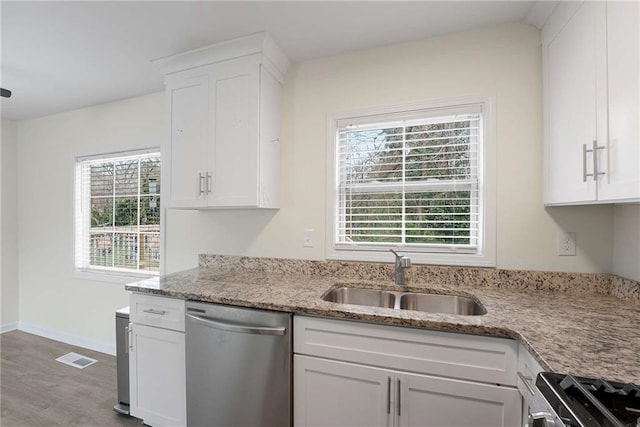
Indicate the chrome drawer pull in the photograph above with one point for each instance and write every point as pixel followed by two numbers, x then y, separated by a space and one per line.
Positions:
pixel 399 412
pixel 154 311
pixel 527 382
pixel 388 395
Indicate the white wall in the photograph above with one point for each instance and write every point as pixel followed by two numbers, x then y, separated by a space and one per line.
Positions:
pixel 50 297
pixel 501 61
pixel 9 225
pixel 626 238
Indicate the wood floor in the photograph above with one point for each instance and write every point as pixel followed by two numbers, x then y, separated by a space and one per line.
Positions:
pixel 38 391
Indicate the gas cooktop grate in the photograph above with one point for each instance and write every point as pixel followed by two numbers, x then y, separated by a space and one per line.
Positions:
pixel 593 402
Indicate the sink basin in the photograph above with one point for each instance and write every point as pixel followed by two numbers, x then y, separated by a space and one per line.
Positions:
pixel 414 301
pixel 360 296
pixel 435 303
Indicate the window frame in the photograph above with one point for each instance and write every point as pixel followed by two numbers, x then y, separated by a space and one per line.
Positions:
pixel 105 274
pixel 484 255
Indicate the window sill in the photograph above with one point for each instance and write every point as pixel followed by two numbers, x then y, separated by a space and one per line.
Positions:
pixel 429 258
pixel 110 277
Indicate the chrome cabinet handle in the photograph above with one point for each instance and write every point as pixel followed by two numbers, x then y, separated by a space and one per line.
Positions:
pixel 154 311
pixel 129 330
pixel 231 327
pixel 594 150
pixel 209 184
pixel 200 182
pixel 595 160
pixel 399 413
pixel 388 395
pixel 527 382
pixel 584 163
pixel 127 342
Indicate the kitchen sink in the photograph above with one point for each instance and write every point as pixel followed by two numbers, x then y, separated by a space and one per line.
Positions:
pixel 436 303
pixel 414 301
pixel 360 296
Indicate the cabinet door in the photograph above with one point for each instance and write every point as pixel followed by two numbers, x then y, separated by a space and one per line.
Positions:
pixel 233 149
pixel 433 401
pixel 575 62
pixel 621 161
pixel 184 155
pixel 157 376
pixel 330 393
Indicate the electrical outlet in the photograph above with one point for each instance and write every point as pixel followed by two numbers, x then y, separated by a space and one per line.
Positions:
pixel 566 244
pixel 308 238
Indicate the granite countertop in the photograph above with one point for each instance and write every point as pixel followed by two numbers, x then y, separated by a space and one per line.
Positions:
pixel 582 333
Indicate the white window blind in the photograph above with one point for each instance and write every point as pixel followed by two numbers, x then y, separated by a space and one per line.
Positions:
pixel 117 221
pixel 410 181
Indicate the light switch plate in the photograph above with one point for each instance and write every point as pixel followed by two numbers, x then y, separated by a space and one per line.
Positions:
pixel 308 238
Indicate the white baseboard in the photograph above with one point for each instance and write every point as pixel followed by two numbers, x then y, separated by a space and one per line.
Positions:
pixel 12 326
pixel 102 347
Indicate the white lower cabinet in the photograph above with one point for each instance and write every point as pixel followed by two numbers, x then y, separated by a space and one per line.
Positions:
pixel 333 393
pixel 432 401
pixel 330 393
pixel 157 375
pixel 369 386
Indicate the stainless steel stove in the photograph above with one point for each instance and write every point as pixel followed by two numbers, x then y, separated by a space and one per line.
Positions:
pixel 569 401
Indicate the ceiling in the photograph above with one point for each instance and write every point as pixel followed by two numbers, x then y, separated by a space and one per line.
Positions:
pixel 60 56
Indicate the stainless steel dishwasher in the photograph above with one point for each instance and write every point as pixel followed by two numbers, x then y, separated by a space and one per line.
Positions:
pixel 238 366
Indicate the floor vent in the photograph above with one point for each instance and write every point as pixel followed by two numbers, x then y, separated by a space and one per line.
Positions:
pixel 76 360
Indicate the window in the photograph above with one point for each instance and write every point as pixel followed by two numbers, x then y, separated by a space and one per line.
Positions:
pixel 418 179
pixel 117 213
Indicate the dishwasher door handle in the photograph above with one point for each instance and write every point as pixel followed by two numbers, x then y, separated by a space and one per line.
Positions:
pixel 231 327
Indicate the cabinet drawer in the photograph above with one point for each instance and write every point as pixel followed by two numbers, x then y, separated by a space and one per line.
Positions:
pixel 447 354
pixel 157 311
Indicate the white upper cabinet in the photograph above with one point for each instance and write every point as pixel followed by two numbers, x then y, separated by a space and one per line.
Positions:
pixel 622 167
pixel 590 70
pixel 223 103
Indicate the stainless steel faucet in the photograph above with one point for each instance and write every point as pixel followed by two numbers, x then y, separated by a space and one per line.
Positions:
pixel 402 263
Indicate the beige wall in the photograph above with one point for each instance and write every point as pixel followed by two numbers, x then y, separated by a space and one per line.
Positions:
pixel 51 298
pixel 500 61
pixel 626 238
pixel 9 225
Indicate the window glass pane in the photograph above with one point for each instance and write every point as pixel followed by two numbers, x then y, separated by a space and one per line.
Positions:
pixel 125 250
pixel 438 151
pixel 150 210
pixel 150 251
pixel 101 212
pixel 372 217
pixel 101 178
pixel 126 177
pixel 439 218
pixel 101 249
pixel 126 212
pixel 150 175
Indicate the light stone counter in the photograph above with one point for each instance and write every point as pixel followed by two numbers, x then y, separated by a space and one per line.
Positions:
pixel 572 323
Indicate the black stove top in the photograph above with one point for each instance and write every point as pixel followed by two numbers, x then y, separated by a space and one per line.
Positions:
pixel 587 402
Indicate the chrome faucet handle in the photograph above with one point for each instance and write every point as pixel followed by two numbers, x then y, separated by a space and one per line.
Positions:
pixel 402 262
